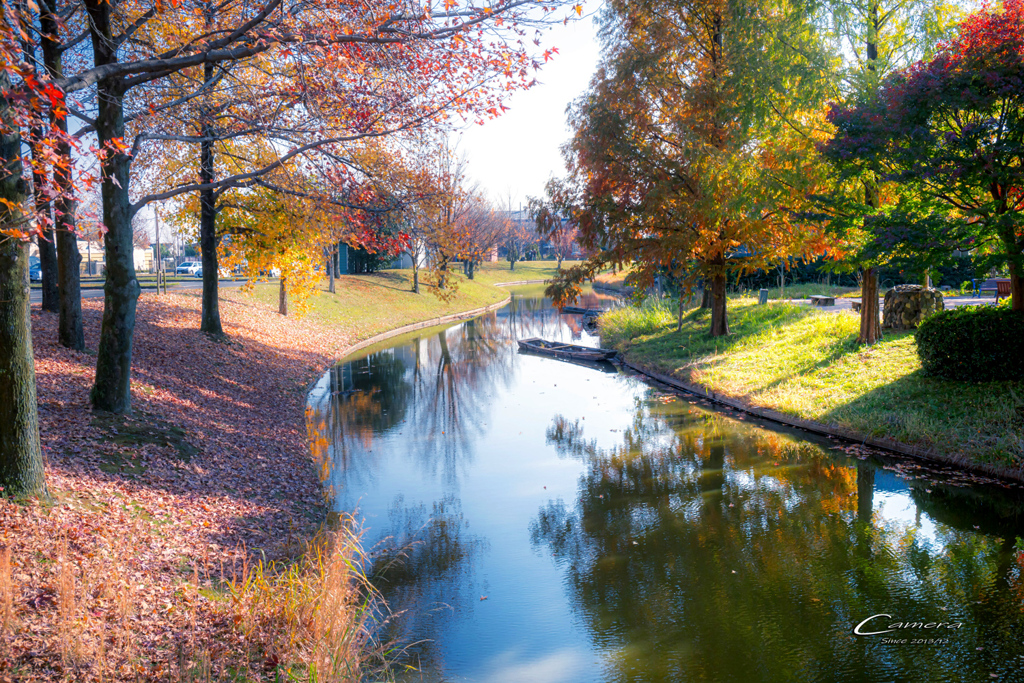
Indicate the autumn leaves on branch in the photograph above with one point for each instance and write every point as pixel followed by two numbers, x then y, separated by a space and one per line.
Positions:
pixel 722 137
pixel 226 104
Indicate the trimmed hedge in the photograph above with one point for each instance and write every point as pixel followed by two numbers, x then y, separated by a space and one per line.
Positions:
pixel 973 344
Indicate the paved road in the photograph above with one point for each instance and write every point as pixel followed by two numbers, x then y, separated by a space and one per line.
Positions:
pixel 949 301
pixel 36 295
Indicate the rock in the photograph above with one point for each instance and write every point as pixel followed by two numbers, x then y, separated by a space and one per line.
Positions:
pixel 907 305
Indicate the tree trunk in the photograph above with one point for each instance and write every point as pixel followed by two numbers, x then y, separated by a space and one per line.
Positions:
pixel 112 388
pixel 21 457
pixel 679 321
pixel 1016 288
pixel 330 273
pixel 69 280
pixel 415 276
pixel 336 262
pixel 719 317
pixel 282 298
pixel 870 325
pixel 45 242
pixel 705 297
pixel 470 269
pixel 69 274
pixel 210 321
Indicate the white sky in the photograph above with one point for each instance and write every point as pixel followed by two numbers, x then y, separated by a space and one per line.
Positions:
pixel 517 152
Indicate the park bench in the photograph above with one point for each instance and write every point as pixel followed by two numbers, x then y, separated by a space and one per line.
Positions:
pixel 999 286
pixel 855 305
pixel 820 300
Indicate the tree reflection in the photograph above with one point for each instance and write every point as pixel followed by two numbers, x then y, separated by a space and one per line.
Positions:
pixel 424 571
pixel 696 552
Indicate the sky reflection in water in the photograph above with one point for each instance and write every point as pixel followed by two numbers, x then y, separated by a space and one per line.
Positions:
pixel 623 534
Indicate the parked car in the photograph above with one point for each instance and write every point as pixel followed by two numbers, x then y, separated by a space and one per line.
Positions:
pixel 35 273
pixel 188 268
pixel 222 273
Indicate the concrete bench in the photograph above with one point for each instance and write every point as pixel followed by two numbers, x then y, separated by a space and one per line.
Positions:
pixel 820 300
pixel 855 305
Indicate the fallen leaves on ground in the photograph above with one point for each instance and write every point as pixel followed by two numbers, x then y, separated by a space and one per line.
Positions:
pixel 123 575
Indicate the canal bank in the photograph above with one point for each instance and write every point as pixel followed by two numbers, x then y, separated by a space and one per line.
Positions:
pixel 804 368
pixel 147 563
pixel 539 520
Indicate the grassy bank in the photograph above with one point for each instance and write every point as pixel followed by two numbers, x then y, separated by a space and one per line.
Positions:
pixel 806 363
pixel 184 542
pixel 492 273
pixel 367 305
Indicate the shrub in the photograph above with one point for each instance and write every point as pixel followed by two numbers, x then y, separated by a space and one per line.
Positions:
pixel 973 344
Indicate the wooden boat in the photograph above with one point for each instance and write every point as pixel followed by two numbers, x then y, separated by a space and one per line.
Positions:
pixel 565 351
pixel 580 310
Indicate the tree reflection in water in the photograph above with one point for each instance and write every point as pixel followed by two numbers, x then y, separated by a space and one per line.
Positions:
pixel 687 546
pixel 696 553
pixel 423 569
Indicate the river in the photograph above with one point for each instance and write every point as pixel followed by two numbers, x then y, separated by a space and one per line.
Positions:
pixel 536 521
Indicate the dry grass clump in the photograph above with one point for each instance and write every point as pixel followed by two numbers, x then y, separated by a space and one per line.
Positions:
pixel 312 620
pixel 6 595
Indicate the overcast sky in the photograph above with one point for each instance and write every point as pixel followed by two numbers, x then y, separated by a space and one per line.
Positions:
pixel 517 152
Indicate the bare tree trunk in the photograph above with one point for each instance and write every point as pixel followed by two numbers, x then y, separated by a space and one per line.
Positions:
pixel 282 298
pixel 112 388
pixel 21 457
pixel 210 320
pixel 470 269
pixel 1016 288
pixel 330 272
pixel 682 301
pixel 719 314
pixel 415 276
pixel 45 242
pixel 69 274
pixel 705 296
pixel 870 325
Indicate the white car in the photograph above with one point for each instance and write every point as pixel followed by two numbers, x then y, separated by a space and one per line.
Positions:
pixel 188 268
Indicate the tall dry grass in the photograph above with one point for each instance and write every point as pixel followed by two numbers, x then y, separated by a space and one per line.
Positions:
pixel 6 595
pixel 314 619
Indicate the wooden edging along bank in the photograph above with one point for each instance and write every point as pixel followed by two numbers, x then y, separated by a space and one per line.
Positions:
pixel 826 429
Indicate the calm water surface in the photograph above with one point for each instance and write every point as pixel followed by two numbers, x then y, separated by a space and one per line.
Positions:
pixel 621 533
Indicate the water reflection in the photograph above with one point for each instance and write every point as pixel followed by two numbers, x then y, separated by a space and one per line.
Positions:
pixel 698 553
pixel 536 520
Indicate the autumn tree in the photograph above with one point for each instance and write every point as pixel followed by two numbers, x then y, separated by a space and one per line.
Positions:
pixel 480 231
pixel 550 225
pixel 874 38
pixel 137 45
pixel 693 148
pixel 21 461
pixel 950 130
pixel 516 234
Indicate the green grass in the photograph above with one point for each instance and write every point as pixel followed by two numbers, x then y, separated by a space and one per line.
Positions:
pixel 807 363
pixel 804 290
pixel 366 305
pixel 493 273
